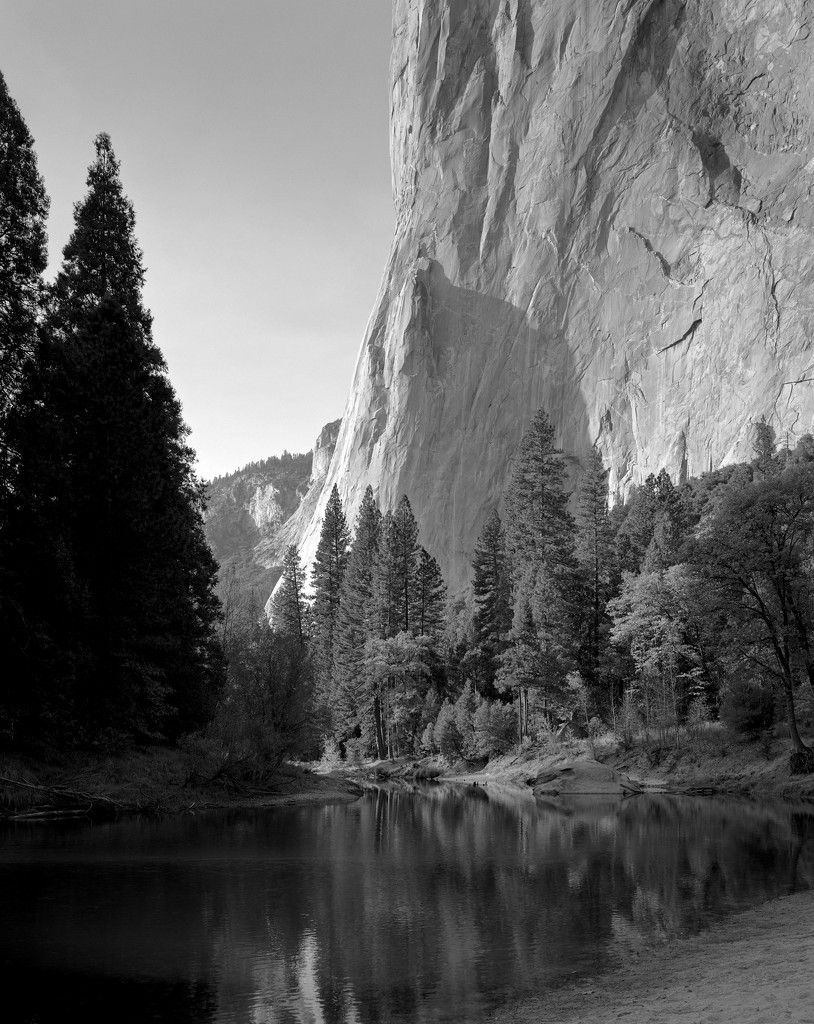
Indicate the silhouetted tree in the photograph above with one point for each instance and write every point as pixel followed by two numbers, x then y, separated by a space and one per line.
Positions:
pixel 23 253
pixel 115 582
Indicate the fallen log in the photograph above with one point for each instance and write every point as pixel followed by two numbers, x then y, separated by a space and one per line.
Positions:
pixel 51 815
pixel 97 806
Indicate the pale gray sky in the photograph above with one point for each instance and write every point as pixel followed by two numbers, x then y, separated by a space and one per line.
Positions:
pixel 253 140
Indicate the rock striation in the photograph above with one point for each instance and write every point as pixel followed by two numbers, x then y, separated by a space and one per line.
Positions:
pixel 604 208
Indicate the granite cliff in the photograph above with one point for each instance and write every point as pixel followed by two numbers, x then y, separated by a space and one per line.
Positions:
pixel 255 512
pixel 604 207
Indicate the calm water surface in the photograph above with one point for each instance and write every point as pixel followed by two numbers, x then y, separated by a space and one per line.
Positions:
pixel 437 904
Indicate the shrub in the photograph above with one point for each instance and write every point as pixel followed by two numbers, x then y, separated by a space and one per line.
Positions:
pixel 495 728
pixel 801 762
pixel 747 707
pixel 445 732
pixel 428 739
pixel 355 750
pixel 454 729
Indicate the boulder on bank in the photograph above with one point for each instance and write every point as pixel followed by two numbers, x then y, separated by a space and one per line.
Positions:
pixel 583 778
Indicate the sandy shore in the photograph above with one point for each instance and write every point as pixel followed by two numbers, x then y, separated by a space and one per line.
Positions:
pixel 754 968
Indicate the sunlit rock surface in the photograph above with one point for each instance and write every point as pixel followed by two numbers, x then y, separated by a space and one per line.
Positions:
pixel 255 512
pixel 603 208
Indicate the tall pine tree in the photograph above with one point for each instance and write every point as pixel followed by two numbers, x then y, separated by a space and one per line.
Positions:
pixel 23 253
pixel 430 599
pixel 355 623
pixel 289 610
pixel 328 573
pixel 118 581
pixel 23 256
pixel 540 535
pixel 102 256
pixel 492 591
pixel 596 559
pixel 397 571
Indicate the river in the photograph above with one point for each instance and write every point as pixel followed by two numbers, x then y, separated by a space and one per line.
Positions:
pixel 433 904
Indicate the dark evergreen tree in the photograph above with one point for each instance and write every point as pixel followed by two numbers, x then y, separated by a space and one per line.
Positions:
pixel 289 611
pixel 765 448
pixel 492 590
pixel 654 526
pixel 540 536
pixel 102 256
pixel 327 575
pixel 114 580
pixel 397 572
pixel 430 599
pixel 354 625
pixel 23 255
pixel 539 527
pixel 596 558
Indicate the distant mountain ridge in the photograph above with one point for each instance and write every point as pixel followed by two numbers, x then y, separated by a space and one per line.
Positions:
pixel 255 512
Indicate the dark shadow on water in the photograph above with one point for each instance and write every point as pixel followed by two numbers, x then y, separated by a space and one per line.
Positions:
pixel 414 904
pixel 44 997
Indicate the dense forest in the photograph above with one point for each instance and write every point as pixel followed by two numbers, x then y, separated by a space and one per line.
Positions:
pixel 677 607
pixel 681 605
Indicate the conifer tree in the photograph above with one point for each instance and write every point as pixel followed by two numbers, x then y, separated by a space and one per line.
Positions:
pixel 385 595
pixel 596 561
pixel 492 590
pixel 289 613
pixel 354 623
pixel 540 535
pixel 102 256
pixel 653 527
pixel 431 597
pixel 397 571
pixel 765 448
pixel 117 590
pixel 327 575
pixel 23 255
pixel 539 527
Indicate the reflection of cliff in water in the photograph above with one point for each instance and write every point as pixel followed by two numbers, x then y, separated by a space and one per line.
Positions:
pixel 406 905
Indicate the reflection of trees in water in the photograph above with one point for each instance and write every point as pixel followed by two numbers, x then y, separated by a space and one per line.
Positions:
pixel 712 856
pixel 403 905
pixel 432 905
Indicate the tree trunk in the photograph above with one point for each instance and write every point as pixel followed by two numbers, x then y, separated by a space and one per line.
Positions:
pixel 381 746
pixel 791 717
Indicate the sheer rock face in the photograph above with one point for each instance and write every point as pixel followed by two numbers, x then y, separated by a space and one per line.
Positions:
pixel 255 513
pixel 604 209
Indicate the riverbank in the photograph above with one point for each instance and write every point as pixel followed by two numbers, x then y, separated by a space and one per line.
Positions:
pixel 712 761
pixel 154 781
pixel 754 968
pixel 157 780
